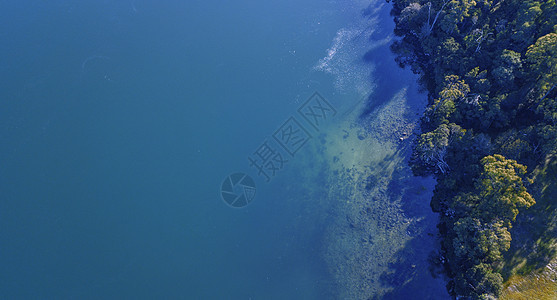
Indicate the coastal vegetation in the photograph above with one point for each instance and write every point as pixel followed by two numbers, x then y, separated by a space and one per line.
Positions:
pixel 489 133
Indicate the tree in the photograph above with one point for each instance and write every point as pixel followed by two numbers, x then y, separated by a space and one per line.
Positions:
pixel 456 11
pixel 501 190
pixel 548 19
pixel 454 90
pixel 465 233
pixel 478 242
pixel 411 19
pixel 547 137
pixel 492 241
pixel 431 148
pixel 448 52
pixel 433 20
pixel 548 108
pixel 542 60
pixel 525 26
pixel 475 39
pixel 490 69
pixel 479 282
pixel 478 81
pixel 491 115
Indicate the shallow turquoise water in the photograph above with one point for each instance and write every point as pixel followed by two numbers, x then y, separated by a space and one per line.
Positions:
pixel 119 121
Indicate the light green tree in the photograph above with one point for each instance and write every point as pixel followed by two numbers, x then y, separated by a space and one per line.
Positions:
pixel 431 148
pixel 454 90
pixel 501 190
pixel 542 59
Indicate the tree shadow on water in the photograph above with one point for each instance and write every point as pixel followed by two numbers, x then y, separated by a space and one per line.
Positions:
pixel 387 75
pixel 415 272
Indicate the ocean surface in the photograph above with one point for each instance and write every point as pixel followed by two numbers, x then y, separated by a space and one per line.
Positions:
pixel 121 122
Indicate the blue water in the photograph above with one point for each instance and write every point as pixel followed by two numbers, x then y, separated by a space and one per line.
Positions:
pixel 119 121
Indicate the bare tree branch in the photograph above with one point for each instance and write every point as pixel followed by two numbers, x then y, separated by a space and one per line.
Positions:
pixel 445 2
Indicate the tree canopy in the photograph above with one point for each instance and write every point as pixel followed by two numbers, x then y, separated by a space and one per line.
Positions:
pixel 490 68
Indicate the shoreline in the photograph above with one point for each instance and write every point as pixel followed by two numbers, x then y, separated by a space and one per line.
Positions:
pixel 488 134
pixel 382 237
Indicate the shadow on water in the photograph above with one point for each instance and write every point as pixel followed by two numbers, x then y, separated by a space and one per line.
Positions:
pixel 415 272
pixel 382 240
pixel 388 76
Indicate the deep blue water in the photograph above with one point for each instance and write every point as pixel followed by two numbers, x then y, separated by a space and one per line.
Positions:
pixel 119 120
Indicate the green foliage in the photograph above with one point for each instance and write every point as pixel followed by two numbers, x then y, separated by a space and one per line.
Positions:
pixel 478 242
pixel 456 12
pixel 508 67
pixel 478 81
pixel 491 71
pixel 542 60
pixel 479 282
pixel 547 136
pixel 454 91
pixel 529 11
pixel 548 108
pixel 431 148
pixel 412 19
pixel 501 189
